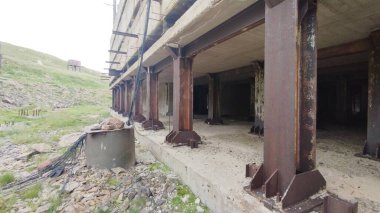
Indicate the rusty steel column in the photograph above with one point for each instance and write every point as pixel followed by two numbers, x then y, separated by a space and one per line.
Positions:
pixel 117 99
pixel 113 99
pixel 129 95
pixel 122 98
pixel 138 111
pixel 214 95
pixel 372 146
pixel 258 126
pixel 289 104
pixel 182 133
pixel 152 88
pixel 126 108
pixel 341 100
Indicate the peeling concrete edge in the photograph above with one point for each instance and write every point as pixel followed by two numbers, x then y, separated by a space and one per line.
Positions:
pixel 217 199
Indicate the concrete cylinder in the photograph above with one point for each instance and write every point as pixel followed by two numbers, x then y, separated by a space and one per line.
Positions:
pixel 110 149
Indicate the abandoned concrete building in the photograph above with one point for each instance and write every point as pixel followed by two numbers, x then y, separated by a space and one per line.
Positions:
pixel 279 98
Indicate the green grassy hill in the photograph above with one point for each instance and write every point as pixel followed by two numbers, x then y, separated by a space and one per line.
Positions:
pixel 32 80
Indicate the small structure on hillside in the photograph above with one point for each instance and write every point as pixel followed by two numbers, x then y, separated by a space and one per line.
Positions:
pixel 74 65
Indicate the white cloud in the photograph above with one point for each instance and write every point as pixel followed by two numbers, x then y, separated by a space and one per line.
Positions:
pixel 68 29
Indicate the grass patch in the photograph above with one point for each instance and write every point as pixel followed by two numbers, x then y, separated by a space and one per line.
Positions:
pixel 6 178
pixel 137 204
pixel 32 192
pixel 189 206
pixel 113 182
pixel 159 166
pixel 6 203
pixel 55 202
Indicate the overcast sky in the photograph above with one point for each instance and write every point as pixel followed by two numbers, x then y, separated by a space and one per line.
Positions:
pixel 68 29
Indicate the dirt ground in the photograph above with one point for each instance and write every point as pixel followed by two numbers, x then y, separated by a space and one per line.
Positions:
pixel 231 147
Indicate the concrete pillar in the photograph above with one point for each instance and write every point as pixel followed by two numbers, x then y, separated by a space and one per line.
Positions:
pixel 341 100
pixel 258 126
pixel 152 123
pixel 214 96
pixel 290 104
pixel 138 110
pixel 372 146
pixel 182 132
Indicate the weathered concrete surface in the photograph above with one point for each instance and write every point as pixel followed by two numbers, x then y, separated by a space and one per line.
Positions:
pixel 221 188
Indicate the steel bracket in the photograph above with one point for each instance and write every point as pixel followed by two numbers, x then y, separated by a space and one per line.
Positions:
pixel 298 190
pixel 332 204
pixel 178 138
pixel 214 121
pixel 153 124
pixel 139 118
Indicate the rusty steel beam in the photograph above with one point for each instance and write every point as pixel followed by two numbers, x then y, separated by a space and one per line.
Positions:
pixel 117 52
pixel 290 97
pixel 272 3
pixel 112 62
pixel 160 66
pixel 358 46
pixel 214 98
pixel 125 34
pixel 152 123
pixel 372 146
pixel 182 133
pixel 243 21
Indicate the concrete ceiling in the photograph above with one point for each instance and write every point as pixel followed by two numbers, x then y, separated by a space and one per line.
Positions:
pixel 339 22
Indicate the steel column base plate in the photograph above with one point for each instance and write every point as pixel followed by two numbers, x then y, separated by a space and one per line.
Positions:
pixel 153 124
pixel 214 121
pixel 178 138
pixel 302 186
pixel 139 118
pixel 367 153
pixel 257 130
